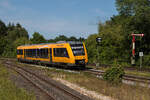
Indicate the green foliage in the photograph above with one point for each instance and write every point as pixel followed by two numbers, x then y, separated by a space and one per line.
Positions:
pixel 114 74
pixel 3 29
pixel 8 44
pixel 91 48
pixel 132 7
pixel 65 38
pixel 145 60
pixel 37 38
pixel 3 43
pixel 138 11
pixel 61 38
pixel 9 50
pixel 16 32
pixel 133 17
pixel 22 41
pixel 111 47
pixel 72 38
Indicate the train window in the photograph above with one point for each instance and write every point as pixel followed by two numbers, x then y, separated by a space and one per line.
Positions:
pixel 77 49
pixel 38 53
pixel 42 53
pixel 20 52
pixel 27 53
pixel 60 52
pixel 30 52
pixel 34 52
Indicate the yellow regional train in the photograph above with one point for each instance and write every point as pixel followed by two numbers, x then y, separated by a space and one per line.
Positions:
pixel 71 53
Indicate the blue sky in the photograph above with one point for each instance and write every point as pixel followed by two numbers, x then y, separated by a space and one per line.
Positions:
pixel 52 18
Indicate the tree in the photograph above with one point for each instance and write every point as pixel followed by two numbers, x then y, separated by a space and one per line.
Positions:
pixel 113 42
pixel 72 38
pixel 3 29
pixel 3 43
pixel 91 47
pixel 51 41
pixel 10 26
pixel 22 41
pixel 81 39
pixel 15 32
pixel 61 38
pixel 132 7
pixel 138 13
pixel 37 38
pixel 9 34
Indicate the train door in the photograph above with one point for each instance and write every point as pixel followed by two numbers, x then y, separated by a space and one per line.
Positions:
pixel 50 50
pixel 61 55
pixel 23 54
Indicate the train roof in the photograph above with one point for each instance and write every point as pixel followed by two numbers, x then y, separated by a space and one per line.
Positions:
pixel 59 42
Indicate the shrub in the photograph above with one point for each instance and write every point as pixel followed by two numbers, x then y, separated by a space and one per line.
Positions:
pixel 114 74
pixel 146 60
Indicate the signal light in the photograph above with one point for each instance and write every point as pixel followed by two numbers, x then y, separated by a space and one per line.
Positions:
pixel 98 39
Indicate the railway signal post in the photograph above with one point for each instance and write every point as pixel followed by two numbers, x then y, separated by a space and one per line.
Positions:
pixel 98 40
pixel 133 47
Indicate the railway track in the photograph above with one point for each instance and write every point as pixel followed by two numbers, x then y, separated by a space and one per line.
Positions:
pixel 133 68
pixel 126 77
pixel 129 78
pixel 29 79
pixel 46 86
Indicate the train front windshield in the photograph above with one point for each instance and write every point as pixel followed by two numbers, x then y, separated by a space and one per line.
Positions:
pixel 77 49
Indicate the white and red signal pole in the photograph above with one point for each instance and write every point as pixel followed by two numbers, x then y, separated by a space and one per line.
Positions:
pixel 133 46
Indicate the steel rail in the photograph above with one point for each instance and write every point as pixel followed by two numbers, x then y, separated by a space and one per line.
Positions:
pixel 52 84
pixel 125 77
pixel 28 79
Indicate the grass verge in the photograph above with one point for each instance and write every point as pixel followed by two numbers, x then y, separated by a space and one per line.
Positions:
pixel 8 90
pixel 138 73
pixel 89 81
